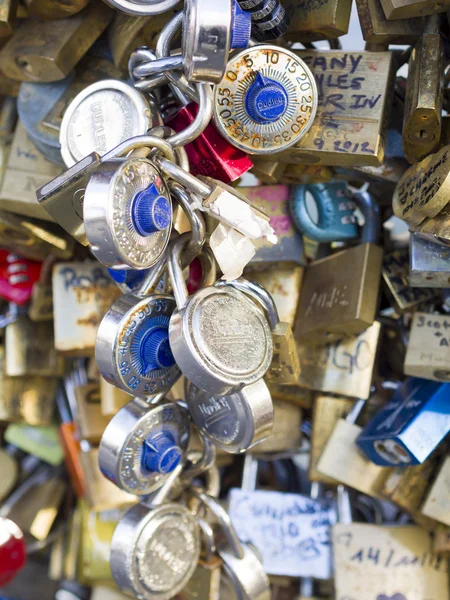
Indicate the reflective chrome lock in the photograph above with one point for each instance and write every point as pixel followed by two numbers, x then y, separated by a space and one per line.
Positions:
pixel 266 101
pixel 132 347
pixel 143 444
pixel 234 422
pixel 220 339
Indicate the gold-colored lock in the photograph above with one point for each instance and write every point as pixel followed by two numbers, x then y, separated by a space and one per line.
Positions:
pixel 303 174
pixel 320 20
pixel 285 365
pixel 54 9
pixel 428 351
pixel 395 277
pixel 44 51
pixel 82 293
pixel 112 398
pixel 293 394
pixel 344 367
pixel 378 31
pixel 339 295
pixel 355 95
pixel 435 226
pixel 91 421
pixel 424 94
pixel 423 191
pixel 268 172
pixel 388 562
pixel 286 431
pixel 8 13
pixel 30 399
pixel 437 502
pixel 26 170
pixel 327 410
pixel 408 9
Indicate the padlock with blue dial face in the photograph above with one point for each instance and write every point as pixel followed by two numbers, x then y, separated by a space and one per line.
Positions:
pixel 266 101
pixel 132 347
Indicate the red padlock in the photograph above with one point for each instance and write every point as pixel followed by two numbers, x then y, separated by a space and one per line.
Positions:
pixel 17 277
pixel 12 551
pixel 210 154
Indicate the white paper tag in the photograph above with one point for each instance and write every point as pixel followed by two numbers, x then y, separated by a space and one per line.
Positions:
pixel 232 250
pixel 292 532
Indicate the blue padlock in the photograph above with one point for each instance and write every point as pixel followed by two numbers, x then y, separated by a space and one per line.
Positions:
pixel 410 426
pixel 336 219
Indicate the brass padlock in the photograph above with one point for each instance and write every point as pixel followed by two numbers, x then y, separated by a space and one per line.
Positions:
pixel 54 9
pixel 91 421
pixel 82 294
pixel 403 297
pixel 378 31
pixel 268 172
pixel 437 502
pixel 321 20
pixel 327 410
pixel 8 14
pixel 112 398
pixel 424 94
pixel 286 431
pixel 408 9
pixel 43 51
pixel 340 292
pixel 298 174
pixel 428 351
pixel 355 95
pixel 29 399
pixel 293 394
pixel 343 367
pixel 30 350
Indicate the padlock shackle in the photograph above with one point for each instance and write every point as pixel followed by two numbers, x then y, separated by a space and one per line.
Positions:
pixel 158 66
pixel 201 121
pixel 224 520
pixel 367 204
pixel 190 182
pixel 196 222
pixel 141 141
pixel 164 132
pixel 174 253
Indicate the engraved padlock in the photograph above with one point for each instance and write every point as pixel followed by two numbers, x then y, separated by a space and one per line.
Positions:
pixel 143 444
pixel 335 212
pixel 220 339
pixel 234 422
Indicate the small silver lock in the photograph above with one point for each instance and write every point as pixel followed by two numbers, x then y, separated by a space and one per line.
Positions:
pixel 155 550
pixel 143 444
pixel 234 422
pixel 132 347
pixel 220 339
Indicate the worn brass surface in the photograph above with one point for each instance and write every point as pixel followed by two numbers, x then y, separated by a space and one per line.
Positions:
pixel 376 29
pixel 317 19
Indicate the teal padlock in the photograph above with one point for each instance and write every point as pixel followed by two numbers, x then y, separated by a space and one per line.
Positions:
pixel 336 219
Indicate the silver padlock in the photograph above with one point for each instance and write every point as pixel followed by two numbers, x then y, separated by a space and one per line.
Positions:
pixel 429 261
pixel 143 444
pixel 155 549
pixel 220 339
pixel 240 560
pixel 234 422
pixel 102 116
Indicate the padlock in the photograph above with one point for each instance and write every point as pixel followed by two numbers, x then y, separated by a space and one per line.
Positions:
pixel 436 505
pixel 335 212
pixel 434 228
pixel 143 444
pixel 240 561
pixel 82 293
pixel 225 318
pixel 269 19
pixel 286 431
pixel 8 18
pixel 395 271
pixel 103 115
pixel 26 170
pixel 41 106
pixel 17 277
pixel 386 562
pixel 112 398
pixel 268 172
pixel 409 427
pixel 424 94
pixel 313 21
pixel 401 9
pixel 91 421
pixel 30 399
pixel 48 50
pixel 327 410
pixel 354 99
pixel 428 257
pixel 379 32
pixel 234 422
pixel 260 110
pixel 298 174
pixel 155 549
pixel 41 301
pixel 52 9
pixel 428 349
pixel 343 367
pixel 300 397
pixel 30 349
pixel 340 293
pixel 12 550
pixel 342 460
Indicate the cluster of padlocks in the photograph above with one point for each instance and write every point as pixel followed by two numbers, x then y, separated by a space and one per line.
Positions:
pixel 224 273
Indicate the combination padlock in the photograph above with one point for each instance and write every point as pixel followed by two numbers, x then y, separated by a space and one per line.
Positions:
pixel 143 444
pixel 335 210
pixel 155 548
pixel 17 277
pixel 235 422
pixel 220 339
pixel 270 20
pixel 266 101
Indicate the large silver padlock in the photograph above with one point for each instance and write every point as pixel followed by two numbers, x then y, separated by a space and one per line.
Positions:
pixel 155 548
pixel 234 422
pixel 143 444
pixel 220 339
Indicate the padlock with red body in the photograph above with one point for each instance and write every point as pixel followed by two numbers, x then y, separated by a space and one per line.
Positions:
pixel 12 550
pixel 17 277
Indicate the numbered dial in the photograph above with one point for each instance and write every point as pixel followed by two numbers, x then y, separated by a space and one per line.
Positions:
pixel 132 347
pixel 142 445
pixel 266 101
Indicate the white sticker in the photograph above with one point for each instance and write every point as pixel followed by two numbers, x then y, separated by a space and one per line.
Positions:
pixel 291 532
